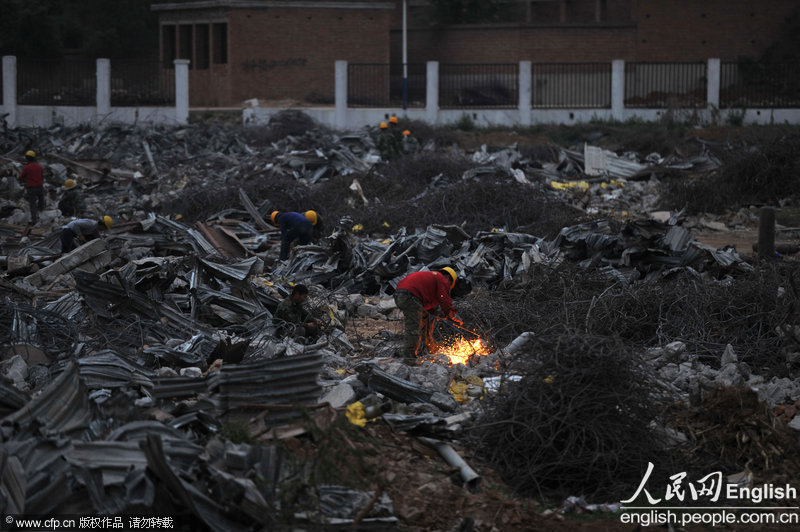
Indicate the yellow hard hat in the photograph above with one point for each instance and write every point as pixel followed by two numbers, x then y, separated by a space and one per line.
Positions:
pixel 392 119
pixel 453 275
pixel 312 216
pixel 383 125
pixel 70 183
pixel 406 133
pixel 274 217
pixel 30 153
pixel 108 221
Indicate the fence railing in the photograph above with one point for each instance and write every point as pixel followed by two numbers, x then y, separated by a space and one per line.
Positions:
pixel 759 85
pixel 381 85
pixel 571 85
pixel 142 82
pixel 485 86
pixel 57 82
pixel 665 85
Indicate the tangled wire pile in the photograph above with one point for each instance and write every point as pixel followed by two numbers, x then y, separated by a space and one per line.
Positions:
pixel 744 312
pixel 732 431
pixel 755 175
pixel 577 421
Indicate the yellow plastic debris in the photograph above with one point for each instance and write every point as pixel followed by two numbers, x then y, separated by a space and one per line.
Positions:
pixel 458 389
pixel 386 224
pixel 358 227
pixel 386 241
pixel 355 414
pixel 178 216
pixel 566 185
pixel 549 379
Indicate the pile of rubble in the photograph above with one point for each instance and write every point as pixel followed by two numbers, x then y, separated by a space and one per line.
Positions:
pixel 127 361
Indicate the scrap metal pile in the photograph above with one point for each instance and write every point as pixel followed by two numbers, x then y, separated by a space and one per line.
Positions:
pixel 127 361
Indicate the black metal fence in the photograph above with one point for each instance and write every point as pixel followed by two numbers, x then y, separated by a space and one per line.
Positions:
pixel 665 85
pixel 571 85
pixel 486 86
pixel 57 82
pixel 747 84
pixel 381 85
pixel 142 82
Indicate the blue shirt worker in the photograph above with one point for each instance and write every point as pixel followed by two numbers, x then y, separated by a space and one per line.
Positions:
pixel 84 230
pixel 294 226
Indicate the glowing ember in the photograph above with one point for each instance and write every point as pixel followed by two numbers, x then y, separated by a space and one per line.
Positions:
pixel 460 350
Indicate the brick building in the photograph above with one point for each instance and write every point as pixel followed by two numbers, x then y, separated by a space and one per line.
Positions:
pixel 597 30
pixel 285 49
pixel 273 49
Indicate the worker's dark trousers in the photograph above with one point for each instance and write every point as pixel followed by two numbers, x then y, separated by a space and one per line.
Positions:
pixel 415 322
pixel 304 235
pixel 67 240
pixel 35 197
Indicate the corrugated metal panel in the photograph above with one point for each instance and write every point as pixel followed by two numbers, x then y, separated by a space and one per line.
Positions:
pixel 107 369
pixel 289 380
pixel 63 407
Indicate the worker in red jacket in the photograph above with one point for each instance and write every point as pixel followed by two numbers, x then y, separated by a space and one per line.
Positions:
pixel 33 181
pixel 423 297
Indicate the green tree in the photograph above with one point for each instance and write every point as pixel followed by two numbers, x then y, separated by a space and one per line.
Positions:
pixel 95 28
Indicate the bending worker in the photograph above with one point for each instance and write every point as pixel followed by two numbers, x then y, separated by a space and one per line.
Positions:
pixel 423 297
pixel 84 229
pixel 33 180
pixel 294 226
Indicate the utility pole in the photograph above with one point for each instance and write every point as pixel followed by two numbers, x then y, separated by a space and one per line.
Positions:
pixel 405 55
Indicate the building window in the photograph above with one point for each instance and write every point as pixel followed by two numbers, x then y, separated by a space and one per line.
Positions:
pixel 185 42
pixel 168 44
pixel 201 44
pixel 220 43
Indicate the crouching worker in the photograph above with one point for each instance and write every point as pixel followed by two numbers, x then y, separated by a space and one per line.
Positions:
pixel 84 230
pixel 71 203
pixel 293 319
pixel 423 297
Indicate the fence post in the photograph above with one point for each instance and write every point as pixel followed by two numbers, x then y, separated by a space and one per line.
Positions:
pixel 713 76
pixel 181 90
pixel 618 89
pixel 525 93
pixel 340 96
pixel 432 92
pixel 103 90
pixel 10 89
pixel 766 233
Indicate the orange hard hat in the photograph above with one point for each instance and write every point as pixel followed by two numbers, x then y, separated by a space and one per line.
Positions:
pixel 274 217
pixel 312 217
pixel 406 133
pixel 392 119
pixel 383 125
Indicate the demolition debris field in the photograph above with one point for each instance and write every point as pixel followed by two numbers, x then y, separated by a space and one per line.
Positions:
pixel 608 270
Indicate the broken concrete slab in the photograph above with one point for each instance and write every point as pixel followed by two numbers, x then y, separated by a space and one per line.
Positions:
pixel 91 257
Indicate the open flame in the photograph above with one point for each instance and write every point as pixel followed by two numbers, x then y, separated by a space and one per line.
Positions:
pixel 459 350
